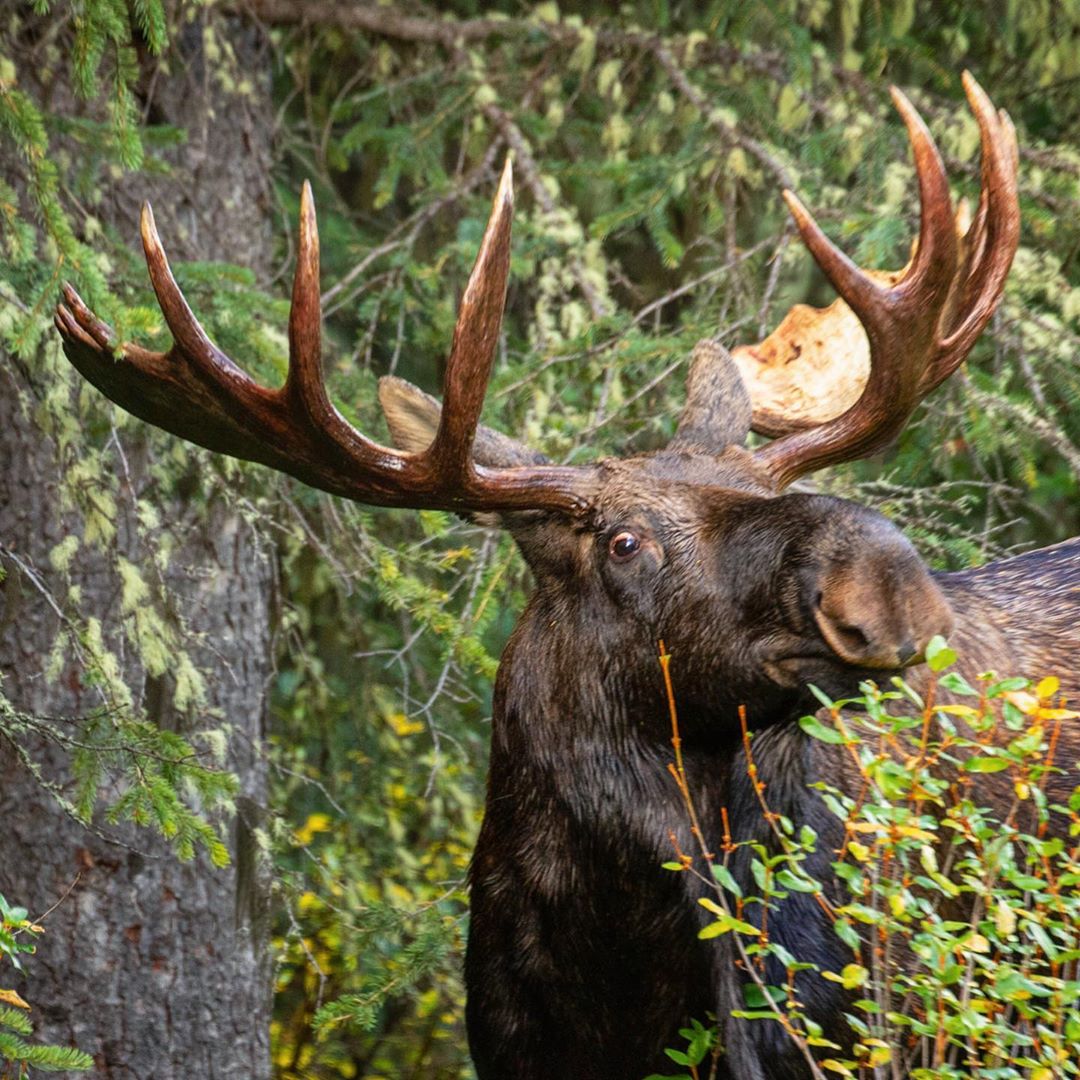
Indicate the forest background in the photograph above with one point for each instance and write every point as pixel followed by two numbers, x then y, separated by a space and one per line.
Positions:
pixel 243 725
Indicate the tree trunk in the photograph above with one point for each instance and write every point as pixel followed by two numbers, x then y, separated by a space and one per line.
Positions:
pixel 157 968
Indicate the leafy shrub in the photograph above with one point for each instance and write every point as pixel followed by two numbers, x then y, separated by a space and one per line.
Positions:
pixel 961 911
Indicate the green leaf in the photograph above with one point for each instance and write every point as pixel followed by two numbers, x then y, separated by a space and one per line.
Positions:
pixel 1007 686
pixel 938 654
pixel 987 764
pixel 847 933
pixel 724 876
pixel 955 683
pixel 822 732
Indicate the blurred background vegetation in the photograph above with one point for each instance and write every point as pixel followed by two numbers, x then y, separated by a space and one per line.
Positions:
pixel 651 142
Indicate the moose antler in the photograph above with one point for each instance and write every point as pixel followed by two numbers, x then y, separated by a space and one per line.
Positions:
pixel 922 326
pixel 195 391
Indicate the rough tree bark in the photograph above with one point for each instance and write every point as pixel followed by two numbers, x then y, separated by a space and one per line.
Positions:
pixel 158 969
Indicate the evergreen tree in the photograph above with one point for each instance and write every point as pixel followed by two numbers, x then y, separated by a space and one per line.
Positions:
pixel 135 634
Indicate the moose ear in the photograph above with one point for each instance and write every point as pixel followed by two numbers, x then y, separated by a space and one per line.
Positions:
pixel 717 412
pixel 413 419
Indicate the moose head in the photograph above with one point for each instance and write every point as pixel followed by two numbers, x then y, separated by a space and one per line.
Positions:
pixel 756 590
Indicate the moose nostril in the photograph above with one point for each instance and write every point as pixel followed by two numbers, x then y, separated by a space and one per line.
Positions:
pixel 850 642
pixel 852 636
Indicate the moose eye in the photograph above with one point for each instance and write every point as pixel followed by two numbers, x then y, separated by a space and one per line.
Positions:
pixel 623 546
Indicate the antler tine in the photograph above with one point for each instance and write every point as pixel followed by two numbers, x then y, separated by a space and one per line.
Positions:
pixel 197 392
pixel 76 321
pixel 304 402
pixel 304 386
pixel 190 339
pixel 975 237
pixel 304 397
pixel 859 290
pixel 934 266
pixel 996 235
pixel 476 337
pixel 935 257
pixel 151 384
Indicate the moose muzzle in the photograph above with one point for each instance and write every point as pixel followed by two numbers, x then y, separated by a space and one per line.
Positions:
pixel 880 608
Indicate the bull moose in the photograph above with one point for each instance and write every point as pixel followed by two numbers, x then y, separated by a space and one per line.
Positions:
pixel 583 958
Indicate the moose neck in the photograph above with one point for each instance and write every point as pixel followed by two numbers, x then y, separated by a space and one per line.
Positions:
pixel 582 717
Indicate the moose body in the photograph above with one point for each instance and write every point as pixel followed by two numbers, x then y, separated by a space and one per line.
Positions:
pixel 581 946
pixel 583 957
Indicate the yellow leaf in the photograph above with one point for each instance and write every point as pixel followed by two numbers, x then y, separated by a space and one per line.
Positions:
pixel 403 726
pixel 791 111
pixel 836 1066
pixel 1057 714
pixel 399 895
pixel 928 858
pixel 915 833
pixel 607 76
pixel 316 823
pixel 9 997
pixel 737 164
pixel 1047 687
pixel 956 710
pixel 548 12
pixel 1004 920
pixel 854 975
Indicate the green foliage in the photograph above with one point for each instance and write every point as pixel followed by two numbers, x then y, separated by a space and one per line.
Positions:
pixel 702 1045
pixel 62 161
pixel 18 1058
pixel 166 781
pixel 103 69
pixel 14 925
pixel 382 781
pixel 961 916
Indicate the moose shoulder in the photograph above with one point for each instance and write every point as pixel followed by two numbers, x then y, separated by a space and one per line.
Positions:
pixel 583 958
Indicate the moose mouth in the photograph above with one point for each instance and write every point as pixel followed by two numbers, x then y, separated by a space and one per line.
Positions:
pixel 829 671
pixel 792 672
